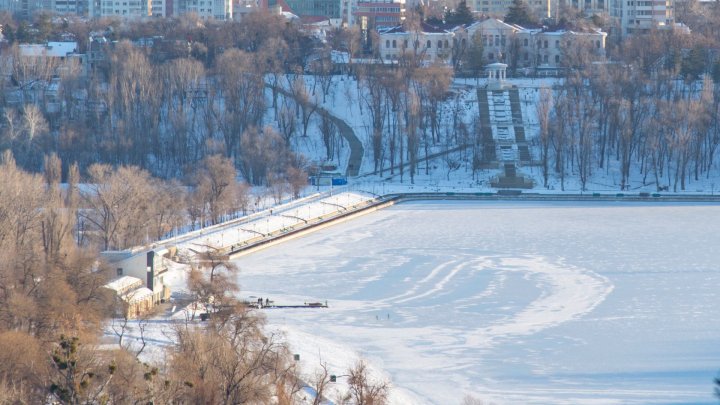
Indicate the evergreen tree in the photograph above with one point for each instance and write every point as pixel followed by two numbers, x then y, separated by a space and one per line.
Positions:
pixel 716 73
pixel 474 56
pixel 461 15
pixel 519 13
pixel 693 64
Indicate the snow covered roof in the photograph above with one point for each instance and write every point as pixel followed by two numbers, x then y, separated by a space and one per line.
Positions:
pixel 493 22
pixel 52 49
pixel 424 28
pixel 125 283
pixel 139 294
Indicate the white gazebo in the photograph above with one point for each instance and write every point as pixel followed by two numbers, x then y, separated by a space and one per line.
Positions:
pixel 496 75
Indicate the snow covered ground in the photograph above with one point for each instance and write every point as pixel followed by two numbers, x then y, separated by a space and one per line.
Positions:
pixel 557 303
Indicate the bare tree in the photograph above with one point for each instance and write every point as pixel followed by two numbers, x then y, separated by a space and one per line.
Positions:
pixel 365 391
pixel 117 205
pixel 215 188
pixel 544 108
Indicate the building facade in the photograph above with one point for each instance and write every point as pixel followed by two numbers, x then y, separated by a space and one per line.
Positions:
pixel 499 8
pixel 217 9
pixel 428 45
pixel 122 8
pixel 373 14
pixel 330 9
pixel 640 16
pixel 132 299
pixel 532 50
pixel 150 266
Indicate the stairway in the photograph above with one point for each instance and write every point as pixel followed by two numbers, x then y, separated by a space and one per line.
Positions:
pixel 486 135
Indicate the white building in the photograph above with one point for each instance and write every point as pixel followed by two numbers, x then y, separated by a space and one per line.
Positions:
pixel 535 50
pixel 217 9
pixel 133 300
pixel 429 44
pixel 52 49
pixel 640 16
pixel 120 8
pixel 150 266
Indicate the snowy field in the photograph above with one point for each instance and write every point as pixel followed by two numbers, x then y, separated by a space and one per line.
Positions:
pixel 541 303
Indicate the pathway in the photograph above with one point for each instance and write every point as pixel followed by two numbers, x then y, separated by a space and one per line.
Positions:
pixel 356 147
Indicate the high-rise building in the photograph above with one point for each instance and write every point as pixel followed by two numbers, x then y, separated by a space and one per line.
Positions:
pixel 640 16
pixel 330 9
pixel 371 14
pixel 218 9
pixel 122 8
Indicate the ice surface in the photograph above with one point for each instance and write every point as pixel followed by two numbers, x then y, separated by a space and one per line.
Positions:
pixel 559 303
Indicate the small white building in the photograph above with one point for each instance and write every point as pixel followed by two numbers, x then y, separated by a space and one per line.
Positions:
pixel 429 44
pixel 149 266
pixel 132 298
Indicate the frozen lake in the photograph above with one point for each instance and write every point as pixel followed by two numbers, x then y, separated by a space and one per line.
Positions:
pixel 510 302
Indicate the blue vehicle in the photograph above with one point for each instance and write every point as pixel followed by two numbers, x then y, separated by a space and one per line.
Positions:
pixel 328 179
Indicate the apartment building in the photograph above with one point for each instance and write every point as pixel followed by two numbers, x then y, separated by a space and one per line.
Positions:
pixel 376 14
pixel 217 9
pixel 121 8
pixel 499 8
pixel 640 16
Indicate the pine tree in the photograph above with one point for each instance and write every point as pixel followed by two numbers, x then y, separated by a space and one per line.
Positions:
pixel 461 15
pixel 519 13
pixel 474 55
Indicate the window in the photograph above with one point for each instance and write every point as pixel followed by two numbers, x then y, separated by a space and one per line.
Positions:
pixel 525 42
pixel 405 43
pixel 545 58
pixel 439 44
pixel 119 271
pixel 387 43
pixel 491 56
pixel 557 58
pixel 502 40
pixel 557 43
pixel 526 56
pixel 394 43
pixel 545 43
pixel 497 40
pixel 429 44
pixel 598 44
pixel 446 44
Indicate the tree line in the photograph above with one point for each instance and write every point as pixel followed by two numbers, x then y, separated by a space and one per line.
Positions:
pixel 198 91
pixel 654 118
pixel 53 307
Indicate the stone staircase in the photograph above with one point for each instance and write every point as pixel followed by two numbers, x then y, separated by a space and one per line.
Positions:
pixel 503 136
pixel 523 150
pixel 486 136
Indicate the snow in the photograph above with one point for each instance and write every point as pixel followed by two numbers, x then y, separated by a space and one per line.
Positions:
pixel 510 302
pixel 278 220
pixel 123 284
pixel 138 295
